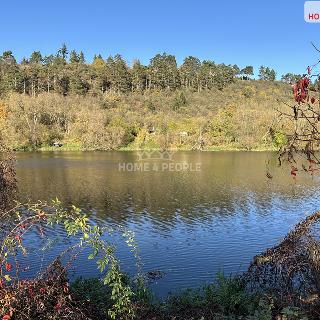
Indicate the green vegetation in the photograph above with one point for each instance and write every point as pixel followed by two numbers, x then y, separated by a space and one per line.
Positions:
pixel 107 105
pixel 224 299
pixel 265 73
pixel 237 117
pixel 50 288
pixel 50 295
pixel 66 74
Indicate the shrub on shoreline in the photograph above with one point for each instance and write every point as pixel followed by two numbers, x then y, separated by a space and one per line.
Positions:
pixel 8 183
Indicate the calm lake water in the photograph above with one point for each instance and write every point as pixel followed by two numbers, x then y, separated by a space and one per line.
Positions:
pixel 190 224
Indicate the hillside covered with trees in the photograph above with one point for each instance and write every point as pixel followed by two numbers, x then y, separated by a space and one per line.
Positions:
pixel 106 104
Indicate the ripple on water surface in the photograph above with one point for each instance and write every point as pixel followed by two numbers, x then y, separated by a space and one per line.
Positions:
pixel 189 225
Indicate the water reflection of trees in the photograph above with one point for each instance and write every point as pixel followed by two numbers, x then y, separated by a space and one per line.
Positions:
pixel 228 184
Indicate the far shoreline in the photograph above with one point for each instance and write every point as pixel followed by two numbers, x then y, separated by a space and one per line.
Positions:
pixel 212 149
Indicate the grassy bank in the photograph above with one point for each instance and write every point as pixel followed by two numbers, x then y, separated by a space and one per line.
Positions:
pixel 225 298
pixel 77 147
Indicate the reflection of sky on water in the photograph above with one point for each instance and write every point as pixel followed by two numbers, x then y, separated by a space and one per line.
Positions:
pixel 189 225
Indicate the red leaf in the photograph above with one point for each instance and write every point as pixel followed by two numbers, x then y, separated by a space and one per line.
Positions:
pixel 293 171
pixel 8 266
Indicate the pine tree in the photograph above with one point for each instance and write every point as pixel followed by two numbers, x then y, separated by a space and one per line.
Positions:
pixel 9 73
pixel 54 73
pixel 189 72
pixel 163 72
pixel 81 58
pixel 63 52
pixel 99 76
pixel 139 76
pixel 78 79
pixel 36 57
pixel 74 57
pixel 118 73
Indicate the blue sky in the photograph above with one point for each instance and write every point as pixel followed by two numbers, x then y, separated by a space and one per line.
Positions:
pixel 256 32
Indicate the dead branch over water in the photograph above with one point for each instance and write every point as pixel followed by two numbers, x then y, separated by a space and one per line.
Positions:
pixel 291 270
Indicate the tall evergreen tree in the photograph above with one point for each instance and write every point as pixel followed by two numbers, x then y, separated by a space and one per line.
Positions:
pixel 9 73
pixel 139 76
pixel 81 57
pixel 74 57
pixel 54 73
pixel 118 73
pixel 63 52
pixel 36 57
pixel 163 72
pixel 99 78
pixel 189 72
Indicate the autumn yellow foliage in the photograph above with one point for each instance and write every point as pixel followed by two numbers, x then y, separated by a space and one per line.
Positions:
pixel 2 110
pixel 237 117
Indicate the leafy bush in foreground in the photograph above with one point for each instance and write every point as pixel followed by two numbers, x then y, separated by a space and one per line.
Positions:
pixel 47 295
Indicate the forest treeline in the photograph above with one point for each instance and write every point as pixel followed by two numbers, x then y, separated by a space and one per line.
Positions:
pixel 68 73
pixel 106 104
